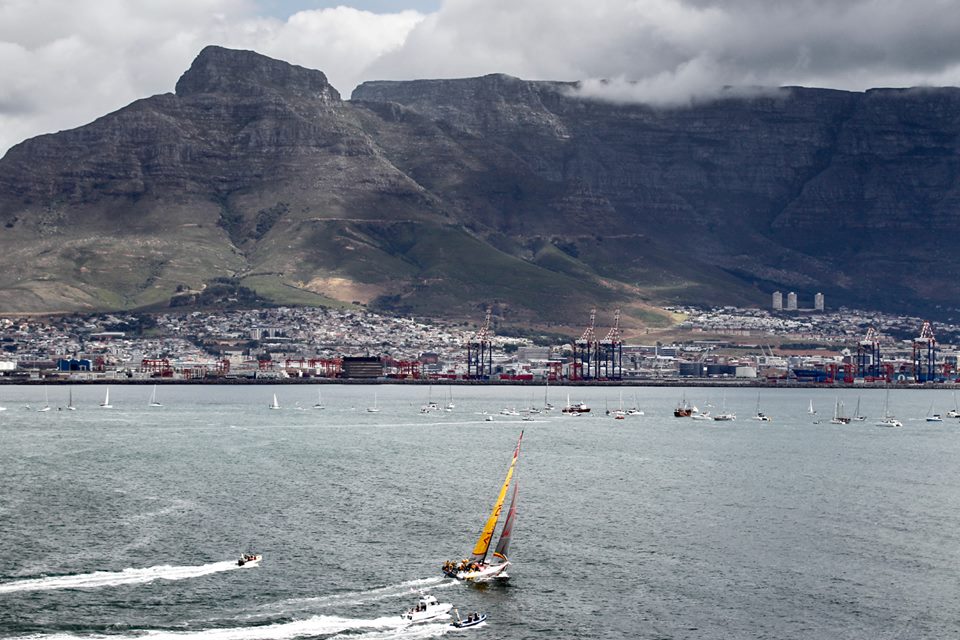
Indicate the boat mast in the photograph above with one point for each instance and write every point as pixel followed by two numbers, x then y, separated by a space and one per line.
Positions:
pixel 480 550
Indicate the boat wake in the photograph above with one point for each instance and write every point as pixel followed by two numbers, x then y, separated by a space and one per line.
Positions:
pixel 384 627
pixel 360 597
pixel 99 579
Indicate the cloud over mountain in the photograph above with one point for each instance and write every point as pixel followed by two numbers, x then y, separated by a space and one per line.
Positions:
pixel 64 62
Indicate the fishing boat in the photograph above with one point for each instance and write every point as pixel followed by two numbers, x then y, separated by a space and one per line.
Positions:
pixel 275 404
pixel 248 560
pixel 579 407
pixel 153 398
pixel 472 620
pixel 70 406
pixel 106 400
pixel 319 404
pixel 684 410
pixel 374 408
pixel 427 608
pixel 476 568
pixel 838 417
pixel 888 419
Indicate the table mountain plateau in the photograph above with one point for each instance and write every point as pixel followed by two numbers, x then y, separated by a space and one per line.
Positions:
pixel 439 197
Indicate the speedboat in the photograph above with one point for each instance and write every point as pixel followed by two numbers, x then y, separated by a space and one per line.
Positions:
pixel 249 560
pixel 427 608
pixel 472 620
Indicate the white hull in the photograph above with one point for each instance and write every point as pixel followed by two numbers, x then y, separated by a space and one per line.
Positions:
pixel 432 613
pixel 486 573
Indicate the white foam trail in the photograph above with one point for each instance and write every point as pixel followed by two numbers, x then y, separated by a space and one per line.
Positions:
pixel 115 578
pixel 411 632
pixel 314 626
pixel 363 597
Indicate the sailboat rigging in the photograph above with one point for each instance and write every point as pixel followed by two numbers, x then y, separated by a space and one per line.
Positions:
pixel 153 398
pixel 374 408
pixel 476 568
pixel 46 401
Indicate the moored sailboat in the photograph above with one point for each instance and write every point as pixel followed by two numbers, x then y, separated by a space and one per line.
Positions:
pixel 476 568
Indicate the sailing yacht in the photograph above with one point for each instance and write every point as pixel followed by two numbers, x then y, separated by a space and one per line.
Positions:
pixel 619 413
pixel 374 408
pixel 106 400
pixel 476 568
pixel 450 406
pixel 760 416
pixel 838 417
pixel 153 398
pixel 955 412
pixel 276 404
pixel 46 402
pixel 546 401
pixel 431 405
pixel 635 410
pixel 725 415
pixel 888 420
pixel 811 410
pixel 933 417
pixel 319 404
pixel 70 406
pixel 857 416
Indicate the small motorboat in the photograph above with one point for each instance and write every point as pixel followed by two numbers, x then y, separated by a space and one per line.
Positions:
pixel 249 560
pixel 427 608
pixel 472 620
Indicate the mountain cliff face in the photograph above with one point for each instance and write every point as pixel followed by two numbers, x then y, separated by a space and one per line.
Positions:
pixel 443 196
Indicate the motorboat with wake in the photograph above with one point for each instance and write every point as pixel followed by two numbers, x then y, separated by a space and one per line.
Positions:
pixel 476 568
pixel 427 608
pixel 249 560
pixel 472 620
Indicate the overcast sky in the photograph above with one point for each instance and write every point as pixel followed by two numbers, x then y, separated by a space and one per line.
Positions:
pixel 65 62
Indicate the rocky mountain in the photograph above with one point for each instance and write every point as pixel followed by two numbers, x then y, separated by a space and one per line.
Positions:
pixel 439 197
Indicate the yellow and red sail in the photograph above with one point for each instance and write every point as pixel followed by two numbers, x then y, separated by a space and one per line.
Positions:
pixel 486 536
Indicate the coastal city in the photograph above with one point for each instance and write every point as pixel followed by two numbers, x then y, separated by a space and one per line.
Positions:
pixel 727 345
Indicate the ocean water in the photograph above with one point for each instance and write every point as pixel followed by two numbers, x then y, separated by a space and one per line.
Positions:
pixel 124 523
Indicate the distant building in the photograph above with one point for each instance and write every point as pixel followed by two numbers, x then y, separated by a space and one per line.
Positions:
pixel 777 301
pixel 791 301
pixel 818 302
pixel 362 367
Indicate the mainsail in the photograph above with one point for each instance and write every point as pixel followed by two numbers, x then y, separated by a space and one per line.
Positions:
pixel 503 544
pixel 486 536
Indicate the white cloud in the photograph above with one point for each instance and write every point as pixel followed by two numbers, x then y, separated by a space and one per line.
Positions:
pixel 65 62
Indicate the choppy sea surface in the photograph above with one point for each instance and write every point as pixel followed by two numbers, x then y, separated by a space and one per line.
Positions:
pixel 125 523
